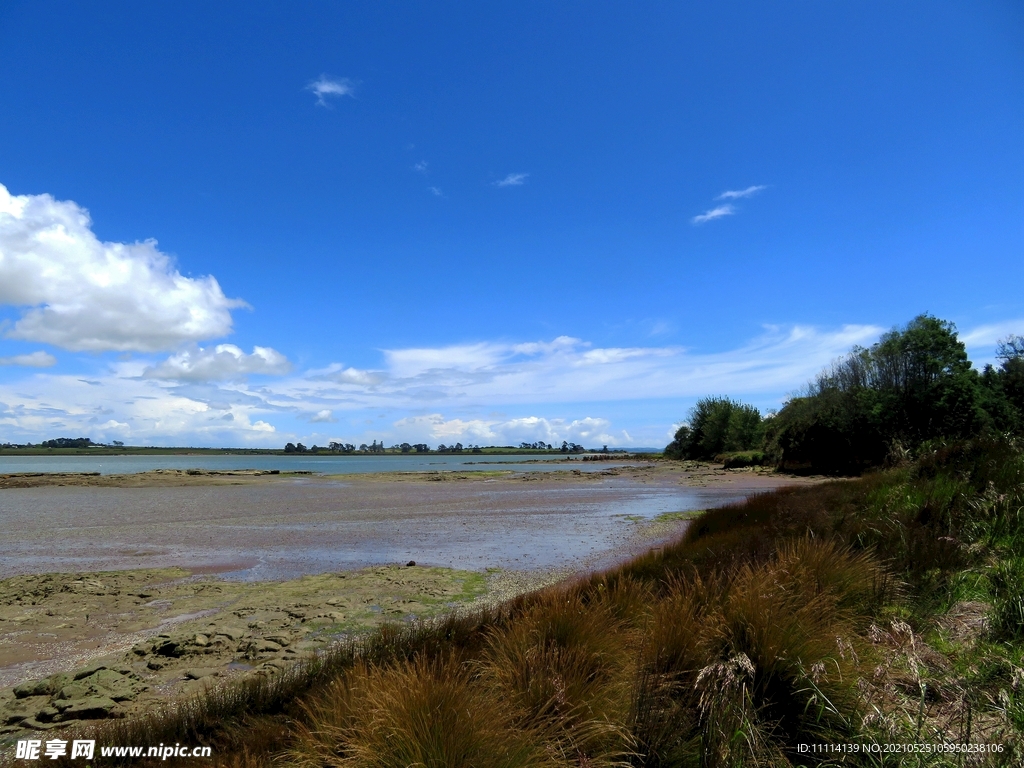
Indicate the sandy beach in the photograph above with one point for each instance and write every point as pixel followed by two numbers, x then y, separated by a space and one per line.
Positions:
pixel 121 591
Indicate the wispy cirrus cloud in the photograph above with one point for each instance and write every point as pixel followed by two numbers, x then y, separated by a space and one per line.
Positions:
pixel 981 341
pixel 736 194
pixel 714 213
pixel 512 180
pixel 324 87
pixel 38 359
pixel 436 191
pixel 420 167
pixel 567 369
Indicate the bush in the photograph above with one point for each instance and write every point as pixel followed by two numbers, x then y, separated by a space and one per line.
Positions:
pixel 717 425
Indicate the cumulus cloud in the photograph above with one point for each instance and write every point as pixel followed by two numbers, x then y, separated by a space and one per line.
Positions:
pixel 38 359
pixel 220 363
pixel 736 194
pixel 512 180
pixel 324 416
pixel 714 213
pixel 324 87
pixel 122 405
pixel 86 295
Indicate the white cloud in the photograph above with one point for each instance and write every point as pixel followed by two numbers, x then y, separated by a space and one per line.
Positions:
pixel 38 359
pixel 436 192
pixel 220 363
pixel 982 341
pixel 530 429
pixel 488 392
pixel 512 180
pixel 714 213
pixel 325 86
pixel 990 335
pixel 85 295
pixel 353 376
pixel 568 370
pixel 421 166
pixel 736 194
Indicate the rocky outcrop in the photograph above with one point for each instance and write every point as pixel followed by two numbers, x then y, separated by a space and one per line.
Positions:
pixel 92 693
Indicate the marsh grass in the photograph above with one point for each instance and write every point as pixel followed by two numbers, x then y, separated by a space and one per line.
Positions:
pixel 882 609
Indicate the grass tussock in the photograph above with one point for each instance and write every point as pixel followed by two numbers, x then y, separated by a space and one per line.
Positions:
pixel 420 713
pixel 882 610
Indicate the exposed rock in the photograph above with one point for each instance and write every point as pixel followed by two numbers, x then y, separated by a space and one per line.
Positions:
pixel 232 633
pixel 168 647
pixel 21 709
pixel 90 670
pixel 73 691
pixel 47 714
pixel 200 673
pixel 45 687
pixel 92 708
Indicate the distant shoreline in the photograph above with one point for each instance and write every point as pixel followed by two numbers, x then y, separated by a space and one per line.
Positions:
pixel 180 451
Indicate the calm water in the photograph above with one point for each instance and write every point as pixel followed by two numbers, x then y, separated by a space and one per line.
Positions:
pixel 311 525
pixel 328 465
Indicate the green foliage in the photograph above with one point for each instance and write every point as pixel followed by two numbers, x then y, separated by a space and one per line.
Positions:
pixel 717 425
pixel 68 442
pixel 738 459
pixel 915 385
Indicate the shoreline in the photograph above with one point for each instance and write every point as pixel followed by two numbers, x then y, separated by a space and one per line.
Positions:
pixel 162 633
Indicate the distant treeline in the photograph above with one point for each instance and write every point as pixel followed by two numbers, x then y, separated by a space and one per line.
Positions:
pixel 66 442
pixel 376 447
pixel 876 405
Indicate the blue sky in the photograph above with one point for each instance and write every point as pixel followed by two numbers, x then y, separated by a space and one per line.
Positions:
pixel 248 223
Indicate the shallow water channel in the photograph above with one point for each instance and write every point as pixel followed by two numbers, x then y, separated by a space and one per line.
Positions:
pixel 290 528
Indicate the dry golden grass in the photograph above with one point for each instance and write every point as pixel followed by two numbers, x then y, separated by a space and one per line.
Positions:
pixel 422 713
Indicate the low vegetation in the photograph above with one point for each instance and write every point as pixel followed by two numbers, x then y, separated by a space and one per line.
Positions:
pixel 876 611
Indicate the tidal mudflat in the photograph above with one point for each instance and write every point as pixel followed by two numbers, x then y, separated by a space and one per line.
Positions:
pixel 171 581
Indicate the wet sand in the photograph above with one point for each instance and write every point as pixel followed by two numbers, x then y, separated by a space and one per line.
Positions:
pixel 174 580
pixel 280 526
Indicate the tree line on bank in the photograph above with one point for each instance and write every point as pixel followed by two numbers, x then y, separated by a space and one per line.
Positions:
pixel 913 387
pixel 375 447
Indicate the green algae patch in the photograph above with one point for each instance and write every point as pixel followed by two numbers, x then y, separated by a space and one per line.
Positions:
pixel 158 633
pixel 671 517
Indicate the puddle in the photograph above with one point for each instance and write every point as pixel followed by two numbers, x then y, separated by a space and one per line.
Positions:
pixel 188 616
